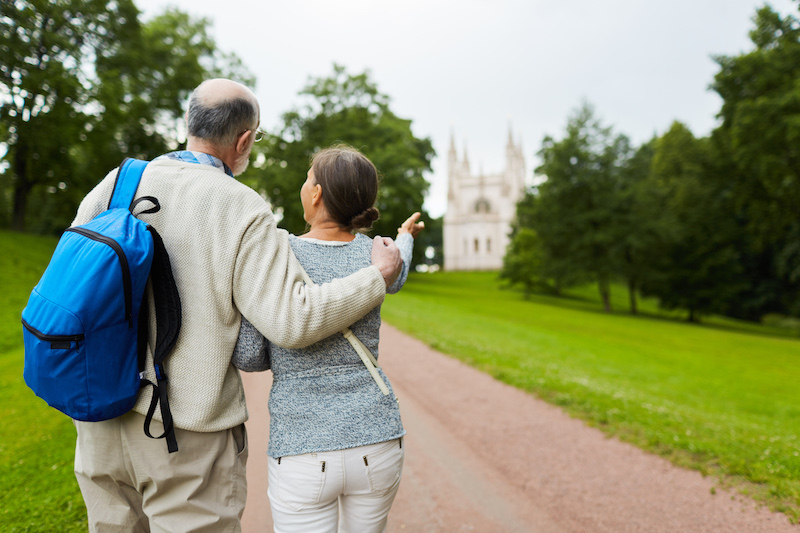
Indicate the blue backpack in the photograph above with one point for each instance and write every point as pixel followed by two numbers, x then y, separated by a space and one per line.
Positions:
pixel 85 325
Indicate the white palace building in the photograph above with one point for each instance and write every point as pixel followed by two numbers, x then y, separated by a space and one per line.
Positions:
pixel 480 209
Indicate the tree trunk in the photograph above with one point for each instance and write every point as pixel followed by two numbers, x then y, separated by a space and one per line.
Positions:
pixel 632 296
pixel 605 294
pixel 22 186
pixel 20 207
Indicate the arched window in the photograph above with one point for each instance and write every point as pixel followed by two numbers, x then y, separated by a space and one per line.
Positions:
pixel 482 206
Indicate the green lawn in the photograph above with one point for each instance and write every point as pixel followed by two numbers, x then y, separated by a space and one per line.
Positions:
pixel 721 397
pixel 38 491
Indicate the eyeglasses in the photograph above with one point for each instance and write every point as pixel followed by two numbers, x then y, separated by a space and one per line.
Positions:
pixel 259 134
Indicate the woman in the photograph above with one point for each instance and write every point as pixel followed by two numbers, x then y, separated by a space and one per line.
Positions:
pixel 335 447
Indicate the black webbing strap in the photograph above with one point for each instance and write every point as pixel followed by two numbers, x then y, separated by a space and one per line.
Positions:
pixel 144 328
pixel 168 325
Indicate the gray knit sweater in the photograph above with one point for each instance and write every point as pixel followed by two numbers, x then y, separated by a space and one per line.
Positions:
pixel 323 397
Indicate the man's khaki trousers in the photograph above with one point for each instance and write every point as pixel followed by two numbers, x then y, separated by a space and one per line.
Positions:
pixel 131 483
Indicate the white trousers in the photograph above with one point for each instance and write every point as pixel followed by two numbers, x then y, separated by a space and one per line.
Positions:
pixel 350 490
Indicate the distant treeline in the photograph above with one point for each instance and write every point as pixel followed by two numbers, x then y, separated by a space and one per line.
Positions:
pixel 85 84
pixel 709 225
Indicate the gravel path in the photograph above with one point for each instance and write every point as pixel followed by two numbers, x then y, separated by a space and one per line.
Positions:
pixel 482 456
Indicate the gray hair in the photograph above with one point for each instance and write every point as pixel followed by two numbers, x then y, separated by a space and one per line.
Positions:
pixel 221 122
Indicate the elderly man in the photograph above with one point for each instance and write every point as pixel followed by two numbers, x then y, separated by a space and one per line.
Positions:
pixel 229 260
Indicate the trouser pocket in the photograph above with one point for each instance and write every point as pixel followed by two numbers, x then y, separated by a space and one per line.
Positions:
pixel 384 465
pixel 300 479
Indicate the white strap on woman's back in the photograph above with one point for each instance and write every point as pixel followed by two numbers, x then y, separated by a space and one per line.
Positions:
pixel 366 356
pixel 363 352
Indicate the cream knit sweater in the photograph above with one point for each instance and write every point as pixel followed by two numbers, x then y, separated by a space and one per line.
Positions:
pixel 229 259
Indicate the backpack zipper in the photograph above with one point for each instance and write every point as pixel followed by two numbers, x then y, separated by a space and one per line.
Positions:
pixel 52 338
pixel 123 261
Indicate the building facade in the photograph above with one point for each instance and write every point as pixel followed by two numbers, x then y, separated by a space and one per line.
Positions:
pixel 480 209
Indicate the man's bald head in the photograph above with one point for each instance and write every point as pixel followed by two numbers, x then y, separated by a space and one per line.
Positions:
pixel 220 110
pixel 221 89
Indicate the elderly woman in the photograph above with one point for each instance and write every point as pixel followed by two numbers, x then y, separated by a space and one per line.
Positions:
pixel 335 442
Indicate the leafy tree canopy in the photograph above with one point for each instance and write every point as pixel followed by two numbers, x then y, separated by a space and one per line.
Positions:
pixel 760 127
pixel 757 154
pixel 576 216
pixel 697 262
pixel 83 84
pixel 345 108
pixel 708 225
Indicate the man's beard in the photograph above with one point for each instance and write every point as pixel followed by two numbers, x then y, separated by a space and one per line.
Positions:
pixel 240 165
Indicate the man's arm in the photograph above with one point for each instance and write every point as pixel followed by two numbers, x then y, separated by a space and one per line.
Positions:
pixel 269 291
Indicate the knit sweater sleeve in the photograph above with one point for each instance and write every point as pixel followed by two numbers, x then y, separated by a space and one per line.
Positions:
pixel 269 290
pixel 251 353
pixel 405 243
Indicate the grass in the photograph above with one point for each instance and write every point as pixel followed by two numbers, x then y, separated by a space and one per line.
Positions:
pixel 721 398
pixel 38 491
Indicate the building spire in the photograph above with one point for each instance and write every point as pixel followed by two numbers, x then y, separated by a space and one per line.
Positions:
pixel 452 155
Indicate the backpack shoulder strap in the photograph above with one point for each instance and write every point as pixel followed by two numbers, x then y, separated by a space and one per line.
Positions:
pixel 168 325
pixel 128 177
pixel 166 299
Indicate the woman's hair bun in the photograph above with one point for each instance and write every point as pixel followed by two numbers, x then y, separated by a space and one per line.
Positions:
pixel 364 220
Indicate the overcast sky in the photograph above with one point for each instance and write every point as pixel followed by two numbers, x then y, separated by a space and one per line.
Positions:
pixel 476 67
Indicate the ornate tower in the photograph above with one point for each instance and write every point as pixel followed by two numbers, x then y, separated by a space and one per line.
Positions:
pixel 480 209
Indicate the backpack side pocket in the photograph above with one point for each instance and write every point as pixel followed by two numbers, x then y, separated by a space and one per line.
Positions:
pixel 55 359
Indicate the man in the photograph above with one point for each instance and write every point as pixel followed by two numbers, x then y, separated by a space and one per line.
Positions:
pixel 228 260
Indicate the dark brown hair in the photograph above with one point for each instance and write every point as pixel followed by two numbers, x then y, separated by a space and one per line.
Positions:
pixel 349 186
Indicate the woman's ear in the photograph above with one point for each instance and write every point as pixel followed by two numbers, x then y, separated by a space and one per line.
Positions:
pixel 316 196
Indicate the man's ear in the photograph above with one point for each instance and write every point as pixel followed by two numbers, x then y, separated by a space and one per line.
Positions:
pixel 243 141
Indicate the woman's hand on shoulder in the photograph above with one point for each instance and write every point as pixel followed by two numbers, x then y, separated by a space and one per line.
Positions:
pixel 411 225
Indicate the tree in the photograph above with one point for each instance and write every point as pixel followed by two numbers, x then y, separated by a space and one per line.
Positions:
pixel 349 109
pixel 431 238
pixel 525 260
pixel 43 83
pixel 757 147
pixel 523 263
pixel 696 264
pixel 84 84
pixel 642 229
pixel 761 122
pixel 575 215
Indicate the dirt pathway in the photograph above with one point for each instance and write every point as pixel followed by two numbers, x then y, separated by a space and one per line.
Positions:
pixel 485 457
